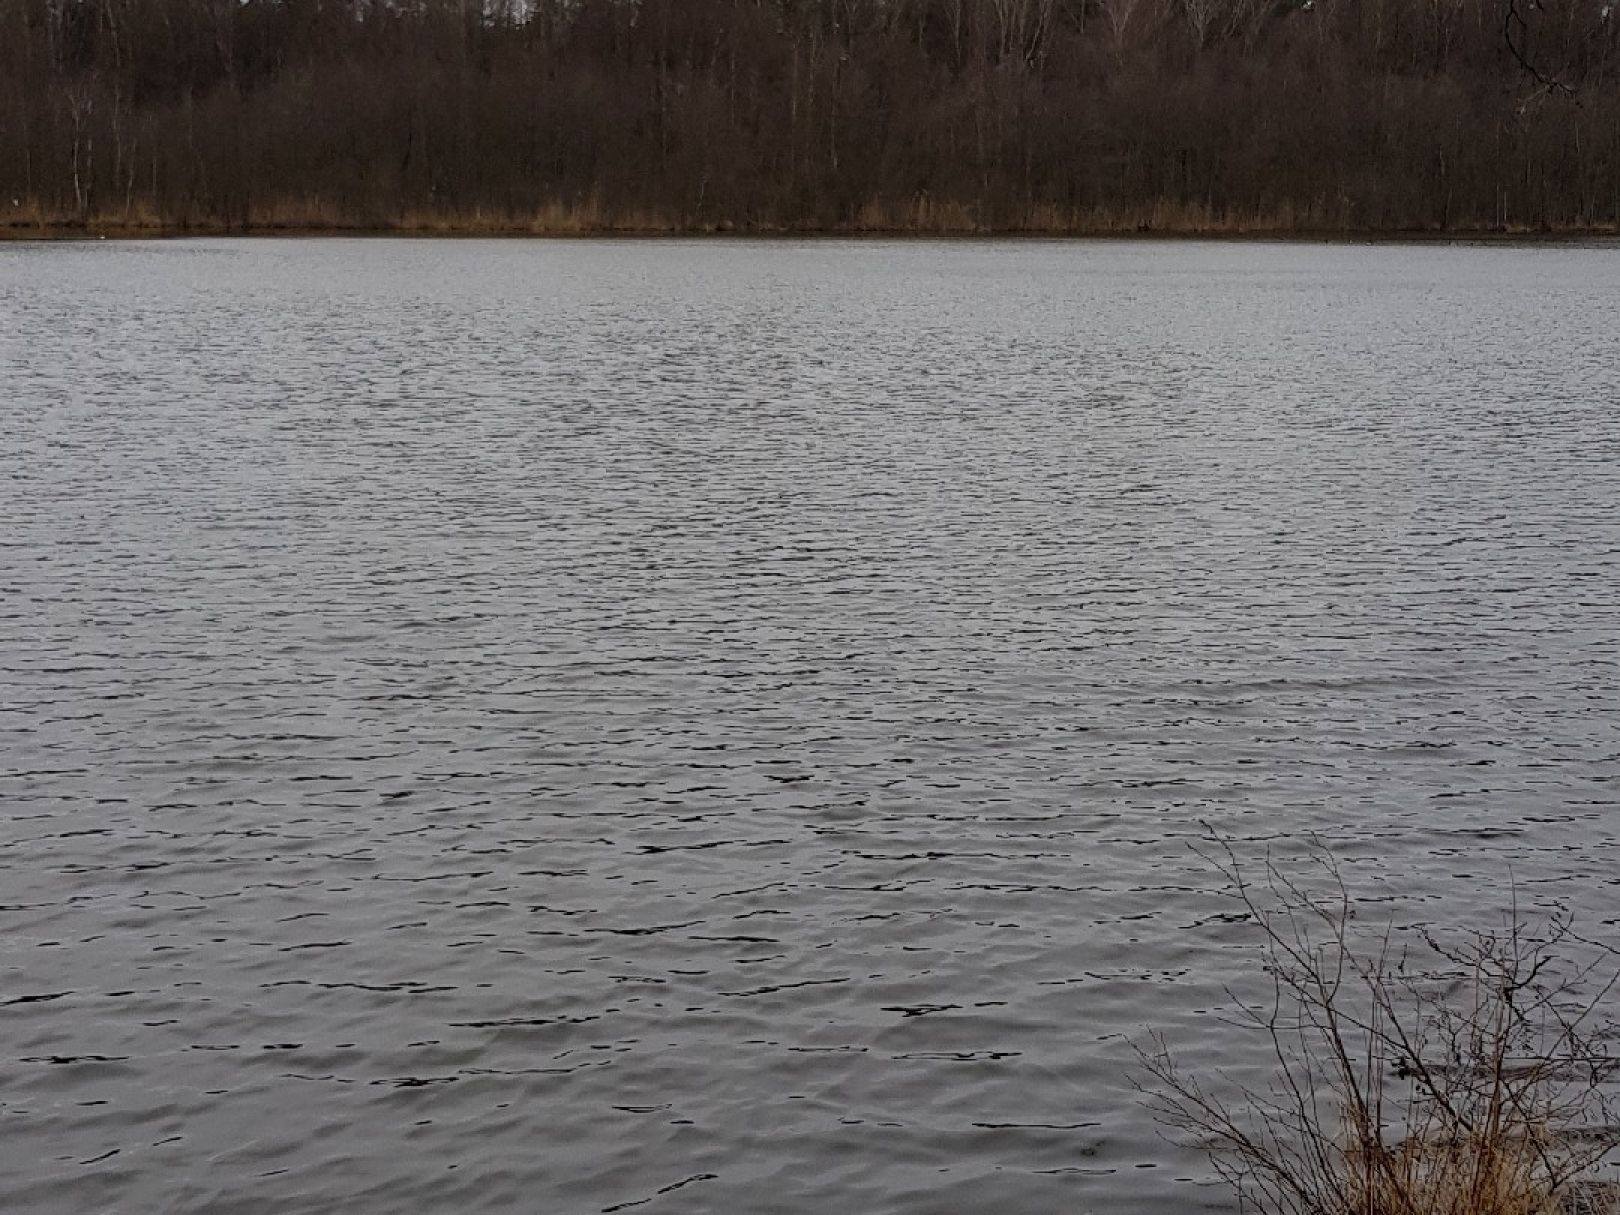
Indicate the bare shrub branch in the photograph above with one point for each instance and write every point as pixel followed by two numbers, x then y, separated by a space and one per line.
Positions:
pixel 1460 1073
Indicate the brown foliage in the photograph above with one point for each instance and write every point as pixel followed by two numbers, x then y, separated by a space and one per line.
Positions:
pixel 786 115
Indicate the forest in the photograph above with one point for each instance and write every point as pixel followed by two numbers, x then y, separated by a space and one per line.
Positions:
pixel 1060 116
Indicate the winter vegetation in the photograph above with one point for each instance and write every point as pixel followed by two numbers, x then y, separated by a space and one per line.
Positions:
pixel 932 116
pixel 1413 1073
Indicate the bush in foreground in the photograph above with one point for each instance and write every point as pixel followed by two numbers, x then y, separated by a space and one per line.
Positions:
pixel 1460 1075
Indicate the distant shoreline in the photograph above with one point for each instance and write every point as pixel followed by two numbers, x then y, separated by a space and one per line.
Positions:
pixel 481 229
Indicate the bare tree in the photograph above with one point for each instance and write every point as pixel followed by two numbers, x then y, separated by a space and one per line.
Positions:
pixel 767 114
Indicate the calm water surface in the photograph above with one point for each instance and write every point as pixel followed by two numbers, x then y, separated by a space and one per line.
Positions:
pixel 718 727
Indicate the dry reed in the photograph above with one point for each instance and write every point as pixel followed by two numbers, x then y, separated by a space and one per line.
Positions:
pixel 918 215
pixel 1464 1075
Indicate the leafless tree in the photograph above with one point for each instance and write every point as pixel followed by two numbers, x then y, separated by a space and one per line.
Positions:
pixel 825 114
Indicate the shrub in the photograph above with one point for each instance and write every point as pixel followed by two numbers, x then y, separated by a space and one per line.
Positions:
pixel 1414 1073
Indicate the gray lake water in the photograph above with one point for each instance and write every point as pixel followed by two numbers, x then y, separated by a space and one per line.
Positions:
pixel 721 727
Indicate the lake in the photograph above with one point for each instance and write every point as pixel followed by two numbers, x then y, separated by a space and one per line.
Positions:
pixel 723 726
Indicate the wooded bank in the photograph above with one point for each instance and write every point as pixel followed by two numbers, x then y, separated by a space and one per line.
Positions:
pixel 810 115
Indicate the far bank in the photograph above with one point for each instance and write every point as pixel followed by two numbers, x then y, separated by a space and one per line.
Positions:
pixel 1163 221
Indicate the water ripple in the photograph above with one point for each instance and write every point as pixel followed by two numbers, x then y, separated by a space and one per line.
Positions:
pixel 721 726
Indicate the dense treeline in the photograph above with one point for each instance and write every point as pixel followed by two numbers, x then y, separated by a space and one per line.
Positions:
pixel 830 114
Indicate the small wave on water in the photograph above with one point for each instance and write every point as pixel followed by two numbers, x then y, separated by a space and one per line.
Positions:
pixel 720 726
